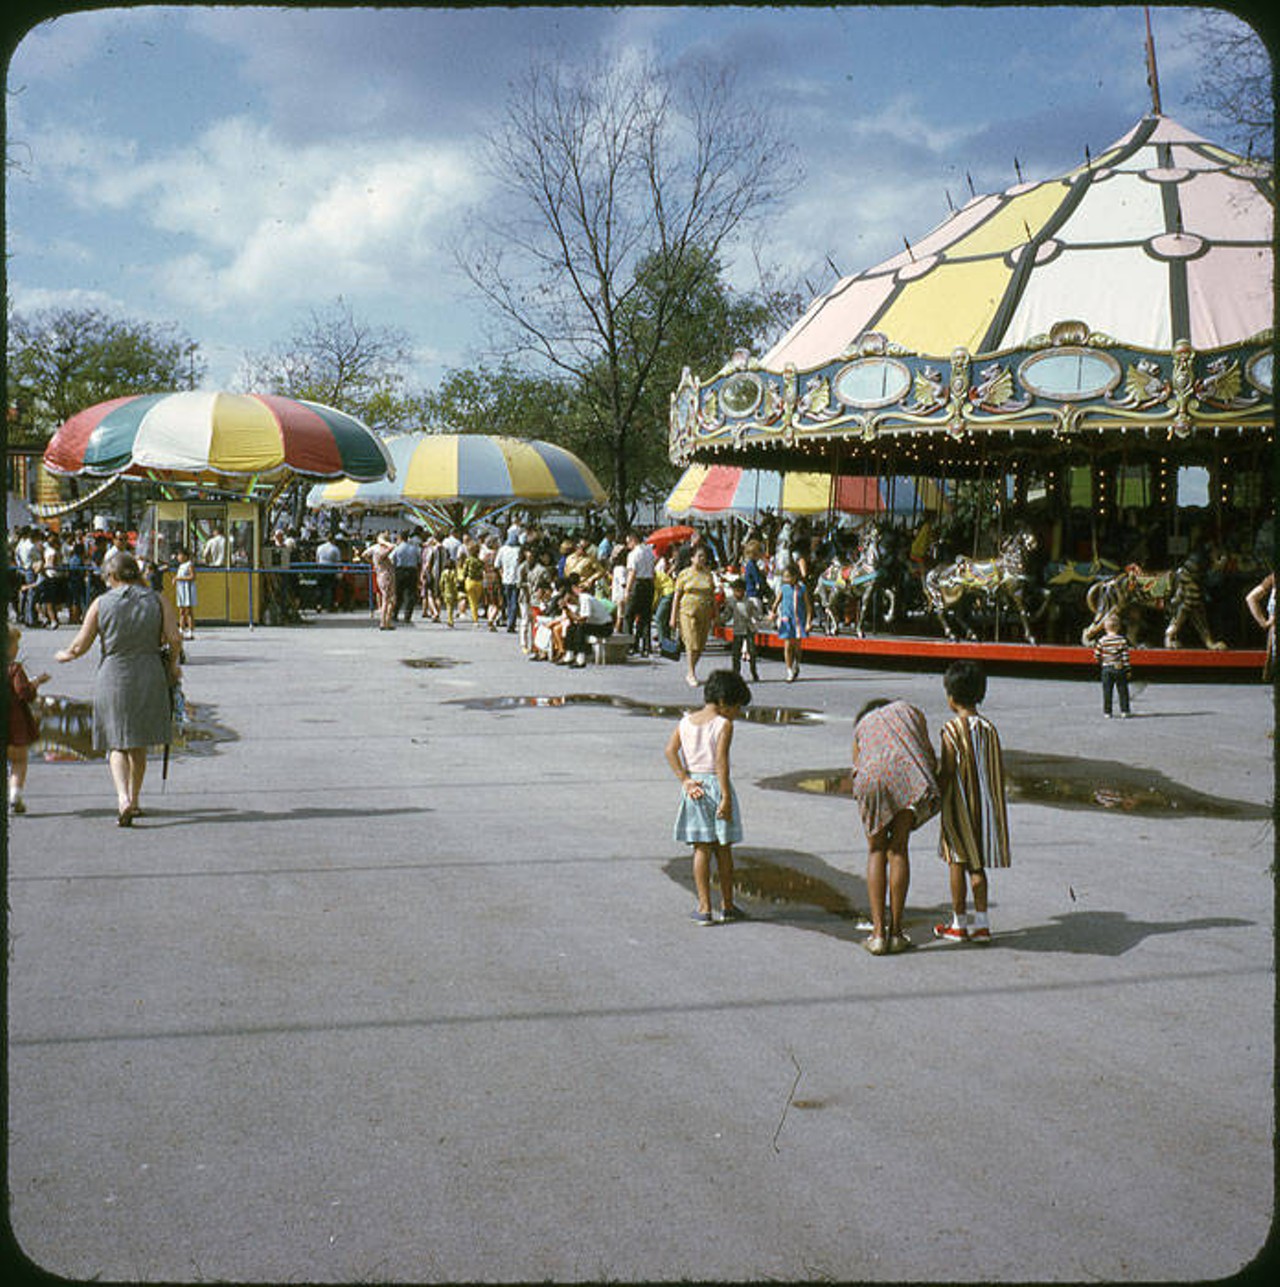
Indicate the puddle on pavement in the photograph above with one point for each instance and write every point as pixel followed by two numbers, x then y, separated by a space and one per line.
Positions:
pixel 66 731
pixel 774 883
pixel 778 877
pixel 430 663
pixel 660 710
pixel 1067 782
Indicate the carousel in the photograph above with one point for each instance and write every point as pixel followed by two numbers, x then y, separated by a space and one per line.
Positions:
pixel 1085 365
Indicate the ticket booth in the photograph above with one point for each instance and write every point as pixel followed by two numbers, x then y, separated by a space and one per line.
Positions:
pixel 225 541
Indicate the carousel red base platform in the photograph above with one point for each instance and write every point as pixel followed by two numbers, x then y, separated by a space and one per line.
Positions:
pixel 916 651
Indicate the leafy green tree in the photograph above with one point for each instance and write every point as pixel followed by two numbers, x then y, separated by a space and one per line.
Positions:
pixel 62 360
pixel 501 400
pixel 668 324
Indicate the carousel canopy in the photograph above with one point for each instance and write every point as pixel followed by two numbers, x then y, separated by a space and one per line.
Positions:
pixel 716 491
pixel 1162 237
pixel 1132 293
pixel 211 437
pixel 442 469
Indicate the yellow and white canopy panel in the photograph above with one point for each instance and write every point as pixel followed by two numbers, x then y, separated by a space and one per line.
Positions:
pixel 1164 237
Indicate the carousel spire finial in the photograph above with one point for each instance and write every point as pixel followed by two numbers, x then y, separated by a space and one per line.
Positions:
pixel 1153 78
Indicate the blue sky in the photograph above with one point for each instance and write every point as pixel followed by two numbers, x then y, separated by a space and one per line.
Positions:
pixel 229 169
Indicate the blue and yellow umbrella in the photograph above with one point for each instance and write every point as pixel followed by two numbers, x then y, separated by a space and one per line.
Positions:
pixel 438 473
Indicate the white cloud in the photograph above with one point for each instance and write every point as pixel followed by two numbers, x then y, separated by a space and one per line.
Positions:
pixel 260 219
pixel 36 299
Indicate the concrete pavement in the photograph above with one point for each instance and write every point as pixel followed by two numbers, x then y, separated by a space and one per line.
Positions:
pixel 397 984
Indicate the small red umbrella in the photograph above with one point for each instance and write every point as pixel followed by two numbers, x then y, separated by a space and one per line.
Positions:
pixel 666 536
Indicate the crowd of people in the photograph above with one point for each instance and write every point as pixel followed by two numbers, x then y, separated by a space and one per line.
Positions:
pixel 557 594
pixel 56 575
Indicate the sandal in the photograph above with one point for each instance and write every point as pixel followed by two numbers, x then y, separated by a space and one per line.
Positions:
pixel 876 946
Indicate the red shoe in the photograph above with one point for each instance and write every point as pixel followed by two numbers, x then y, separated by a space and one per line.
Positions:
pixel 951 933
pixel 980 935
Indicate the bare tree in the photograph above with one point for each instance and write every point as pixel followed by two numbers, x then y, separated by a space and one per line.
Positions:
pixel 598 172
pixel 1236 81
pixel 339 360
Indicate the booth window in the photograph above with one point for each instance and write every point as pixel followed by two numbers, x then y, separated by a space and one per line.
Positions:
pixel 242 542
pixel 207 523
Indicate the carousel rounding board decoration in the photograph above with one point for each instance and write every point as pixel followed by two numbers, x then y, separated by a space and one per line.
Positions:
pixel 1071 386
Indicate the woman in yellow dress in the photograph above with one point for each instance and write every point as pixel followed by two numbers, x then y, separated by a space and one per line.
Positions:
pixel 471 568
pixel 693 609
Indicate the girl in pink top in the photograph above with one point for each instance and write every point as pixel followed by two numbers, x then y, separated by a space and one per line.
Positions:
pixel 708 819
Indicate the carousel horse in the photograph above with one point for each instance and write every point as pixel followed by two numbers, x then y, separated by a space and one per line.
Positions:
pixel 1186 603
pixel 1181 591
pixel 1125 594
pixel 1006 577
pixel 847 590
pixel 1066 587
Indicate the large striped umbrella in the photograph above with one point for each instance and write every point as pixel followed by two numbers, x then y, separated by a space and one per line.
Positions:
pixel 210 437
pixel 441 469
pixel 713 491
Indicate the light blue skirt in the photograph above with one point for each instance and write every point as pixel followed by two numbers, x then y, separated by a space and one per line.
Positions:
pixel 696 821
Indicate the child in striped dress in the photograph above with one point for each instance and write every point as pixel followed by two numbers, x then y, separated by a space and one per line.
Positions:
pixel 975 821
pixel 708 819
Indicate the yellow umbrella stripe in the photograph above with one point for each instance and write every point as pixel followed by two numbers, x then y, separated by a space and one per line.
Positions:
pixel 530 477
pixel 432 471
pixel 806 493
pixel 687 488
pixel 246 435
pixel 340 492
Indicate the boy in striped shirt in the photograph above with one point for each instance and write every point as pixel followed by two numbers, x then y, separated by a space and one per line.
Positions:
pixel 1112 652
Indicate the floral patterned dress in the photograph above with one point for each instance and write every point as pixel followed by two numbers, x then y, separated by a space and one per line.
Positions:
pixel 895 767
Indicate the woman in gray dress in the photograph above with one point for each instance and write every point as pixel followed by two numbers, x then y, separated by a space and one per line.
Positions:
pixel 131 705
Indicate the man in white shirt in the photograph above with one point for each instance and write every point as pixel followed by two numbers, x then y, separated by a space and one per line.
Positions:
pixel 589 618
pixel 452 544
pixel 406 558
pixel 507 560
pixel 637 610
pixel 214 552
pixel 329 558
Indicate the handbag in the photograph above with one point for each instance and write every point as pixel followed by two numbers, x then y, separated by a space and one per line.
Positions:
pixel 669 648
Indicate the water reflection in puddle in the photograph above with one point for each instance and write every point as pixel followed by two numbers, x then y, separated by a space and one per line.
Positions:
pixel 66 731
pixel 772 882
pixel 801 885
pixel 661 710
pixel 1066 782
